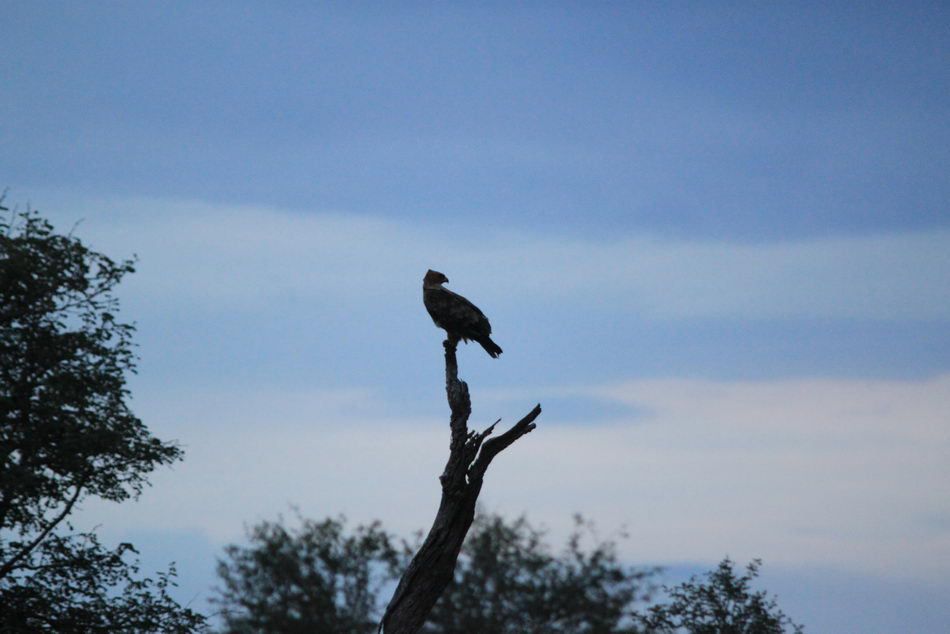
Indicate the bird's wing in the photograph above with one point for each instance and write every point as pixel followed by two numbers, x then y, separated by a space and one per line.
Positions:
pixel 468 311
pixel 454 312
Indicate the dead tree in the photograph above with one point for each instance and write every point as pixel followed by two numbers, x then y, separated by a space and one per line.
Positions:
pixel 433 567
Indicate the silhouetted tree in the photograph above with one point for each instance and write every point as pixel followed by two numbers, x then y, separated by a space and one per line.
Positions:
pixel 67 433
pixel 321 578
pixel 508 581
pixel 315 578
pixel 719 602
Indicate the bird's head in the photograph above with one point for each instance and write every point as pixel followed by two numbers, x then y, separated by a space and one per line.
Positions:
pixel 434 278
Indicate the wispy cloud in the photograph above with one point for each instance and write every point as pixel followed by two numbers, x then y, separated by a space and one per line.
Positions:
pixel 843 473
pixel 240 255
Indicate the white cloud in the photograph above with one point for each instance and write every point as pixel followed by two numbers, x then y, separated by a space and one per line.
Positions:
pixel 818 471
pixel 239 255
pixel 849 474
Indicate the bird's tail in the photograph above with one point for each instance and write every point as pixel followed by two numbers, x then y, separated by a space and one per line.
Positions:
pixel 492 348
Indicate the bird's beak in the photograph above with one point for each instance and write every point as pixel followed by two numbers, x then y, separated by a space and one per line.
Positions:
pixel 446 281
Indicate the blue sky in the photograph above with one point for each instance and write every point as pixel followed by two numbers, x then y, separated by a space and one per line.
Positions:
pixel 714 242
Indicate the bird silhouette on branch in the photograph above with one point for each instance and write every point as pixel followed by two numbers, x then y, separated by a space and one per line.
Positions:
pixel 470 454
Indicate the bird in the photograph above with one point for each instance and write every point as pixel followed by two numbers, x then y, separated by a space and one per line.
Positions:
pixel 460 318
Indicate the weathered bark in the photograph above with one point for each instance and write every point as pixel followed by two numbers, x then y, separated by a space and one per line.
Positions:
pixel 431 570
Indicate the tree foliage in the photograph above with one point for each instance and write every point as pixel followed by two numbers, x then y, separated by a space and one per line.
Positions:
pixel 314 578
pixel 719 602
pixel 508 581
pixel 319 578
pixel 67 433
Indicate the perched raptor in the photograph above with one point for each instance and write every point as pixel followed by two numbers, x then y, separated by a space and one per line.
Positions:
pixel 459 317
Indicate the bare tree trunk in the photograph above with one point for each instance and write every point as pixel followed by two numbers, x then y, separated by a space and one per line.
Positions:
pixel 431 570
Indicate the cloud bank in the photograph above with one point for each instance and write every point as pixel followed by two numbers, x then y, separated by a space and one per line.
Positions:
pixel 242 256
pixel 843 473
